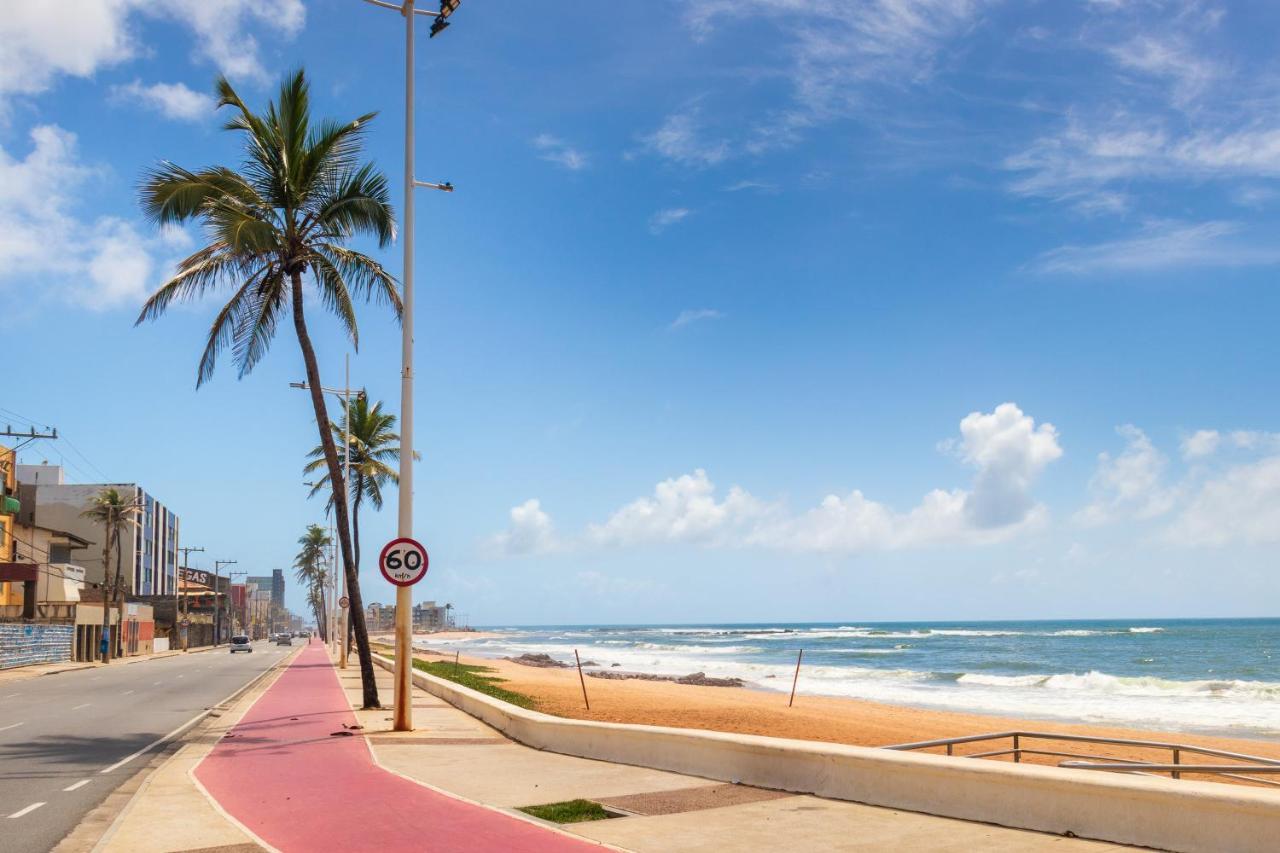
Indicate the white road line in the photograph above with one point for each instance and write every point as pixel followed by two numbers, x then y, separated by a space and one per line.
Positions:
pixel 85 705
pixel 11 726
pixel 11 695
pixel 28 810
pixel 126 693
pixel 180 675
pixel 156 683
pixel 79 784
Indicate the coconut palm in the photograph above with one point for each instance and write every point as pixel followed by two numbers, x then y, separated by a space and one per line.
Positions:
pixel 310 571
pixel 114 512
pixel 275 229
pixel 374 449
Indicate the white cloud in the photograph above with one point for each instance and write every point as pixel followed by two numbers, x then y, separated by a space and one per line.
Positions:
pixel 679 138
pixel 173 100
pixel 1005 447
pixel 758 186
pixel 1163 246
pixel 665 218
pixel 1242 505
pixel 1129 486
pixel 1171 58
pixel 43 40
pixel 529 532
pixel 222 29
pixel 96 263
pixel 556 150
pixel 1201 443
pixel 693 315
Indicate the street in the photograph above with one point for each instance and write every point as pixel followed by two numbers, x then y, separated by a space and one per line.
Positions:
pixel 67 740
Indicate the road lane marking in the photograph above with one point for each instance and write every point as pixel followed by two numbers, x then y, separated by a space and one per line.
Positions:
pixel 28 810
pixel 79 784
pixel 179 675
pixel 11 695
pixel 126 693
pixel 85 705
pixel 12 726
pixel 156 683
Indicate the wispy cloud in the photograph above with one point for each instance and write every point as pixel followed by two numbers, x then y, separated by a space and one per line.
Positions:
pixel 172 100
pixel 556 150
pixel 1162 246
pixel 693 315
pixel 680 138
pixel 664 219
pixel 750 184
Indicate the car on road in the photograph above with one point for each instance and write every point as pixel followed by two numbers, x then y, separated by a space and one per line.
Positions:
pixel 240 644
pixel 284 640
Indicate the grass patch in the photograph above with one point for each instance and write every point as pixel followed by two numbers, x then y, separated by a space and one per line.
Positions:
pixel 474 677
pixel 572 811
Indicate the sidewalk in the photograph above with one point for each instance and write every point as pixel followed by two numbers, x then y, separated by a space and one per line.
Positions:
pixel 292 773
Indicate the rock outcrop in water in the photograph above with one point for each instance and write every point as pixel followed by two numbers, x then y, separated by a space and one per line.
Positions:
pixel 699 679
pixel 545 661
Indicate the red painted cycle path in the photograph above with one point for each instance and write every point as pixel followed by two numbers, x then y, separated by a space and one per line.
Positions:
pixel 281 774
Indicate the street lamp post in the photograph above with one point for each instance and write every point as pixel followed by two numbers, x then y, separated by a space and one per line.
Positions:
pixel 177 584
pixel 404 595
pixel 217 597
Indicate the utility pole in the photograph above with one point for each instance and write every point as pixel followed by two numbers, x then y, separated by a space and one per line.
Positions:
pixel 30 435
pixel 177 584
pixel 231 604
pixel 404 595
pixel 217 597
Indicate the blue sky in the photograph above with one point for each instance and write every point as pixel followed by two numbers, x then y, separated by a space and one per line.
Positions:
pixel 746 310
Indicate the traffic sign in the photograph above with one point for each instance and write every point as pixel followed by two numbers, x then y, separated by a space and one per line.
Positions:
pixel 186 623
pixel 403 561
pixel 343 602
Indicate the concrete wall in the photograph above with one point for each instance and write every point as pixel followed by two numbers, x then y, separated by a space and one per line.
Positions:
pixel 1166 814
pixel 23 644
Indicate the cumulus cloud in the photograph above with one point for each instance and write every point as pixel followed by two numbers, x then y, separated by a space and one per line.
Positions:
pixel 96 263
pixel 528 532
pixel 555 150
pixel 1241 505
pixel 224 29
pixel 1005 447
pixel 665 218
pixel 172 100
pixel 1201 443
pixel 1130 485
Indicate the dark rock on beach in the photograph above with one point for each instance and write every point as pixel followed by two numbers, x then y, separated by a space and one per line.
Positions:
pixel 700 679
pixel 540 660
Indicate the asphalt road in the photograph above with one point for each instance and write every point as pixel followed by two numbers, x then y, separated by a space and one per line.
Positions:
pixel 68 740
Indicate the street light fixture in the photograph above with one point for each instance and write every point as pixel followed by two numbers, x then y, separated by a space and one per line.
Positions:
pixel 404 595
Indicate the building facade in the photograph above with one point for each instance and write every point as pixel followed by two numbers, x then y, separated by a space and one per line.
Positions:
pixel 149 553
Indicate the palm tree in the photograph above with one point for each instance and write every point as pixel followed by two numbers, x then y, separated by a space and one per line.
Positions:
pixel 113 511
pixel 309 566
pixel 374 449
pixel 282 221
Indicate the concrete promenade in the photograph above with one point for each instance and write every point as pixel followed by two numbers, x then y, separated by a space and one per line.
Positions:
pixel 454 783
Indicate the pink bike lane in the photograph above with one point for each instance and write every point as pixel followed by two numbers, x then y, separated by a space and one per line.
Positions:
pixel 284 776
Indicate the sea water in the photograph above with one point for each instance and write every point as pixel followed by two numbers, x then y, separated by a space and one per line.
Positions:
pixel 1218 675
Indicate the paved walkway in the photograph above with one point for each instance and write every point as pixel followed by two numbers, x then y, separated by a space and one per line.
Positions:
pixel 283 774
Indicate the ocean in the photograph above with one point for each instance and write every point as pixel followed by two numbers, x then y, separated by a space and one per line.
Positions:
pixel 1209 675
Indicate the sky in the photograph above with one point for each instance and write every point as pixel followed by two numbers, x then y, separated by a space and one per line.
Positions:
pixel 742 311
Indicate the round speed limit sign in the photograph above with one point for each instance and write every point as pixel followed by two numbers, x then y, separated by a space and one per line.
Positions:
pixel 403 561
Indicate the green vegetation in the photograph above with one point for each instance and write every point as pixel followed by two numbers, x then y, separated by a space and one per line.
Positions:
pixel 573 811
pixel 471 676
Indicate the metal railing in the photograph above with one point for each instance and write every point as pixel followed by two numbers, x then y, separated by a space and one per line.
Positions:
pixel 1176 768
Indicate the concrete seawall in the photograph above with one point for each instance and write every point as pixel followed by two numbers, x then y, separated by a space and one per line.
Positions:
pixel 1165 814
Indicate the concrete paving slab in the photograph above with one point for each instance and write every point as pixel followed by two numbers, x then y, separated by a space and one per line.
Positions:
pixel 813 825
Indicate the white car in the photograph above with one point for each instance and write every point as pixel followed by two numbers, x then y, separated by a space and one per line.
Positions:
pixel 240 644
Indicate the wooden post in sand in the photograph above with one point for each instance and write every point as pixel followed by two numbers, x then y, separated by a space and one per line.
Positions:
pixel 582 680
pixel 455 661
pixel 795 680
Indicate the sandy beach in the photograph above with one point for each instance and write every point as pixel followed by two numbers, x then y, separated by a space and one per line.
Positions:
pixel 819 718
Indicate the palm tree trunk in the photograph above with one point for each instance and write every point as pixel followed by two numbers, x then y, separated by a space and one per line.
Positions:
pixel 355 544
pixel 369 687
pixel 106 589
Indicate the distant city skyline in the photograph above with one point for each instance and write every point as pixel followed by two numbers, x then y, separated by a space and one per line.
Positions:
pixel 746 312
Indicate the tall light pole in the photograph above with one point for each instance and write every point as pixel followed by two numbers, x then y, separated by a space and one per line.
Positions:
pixel 404 595
pixel 177 584
pixel 217 597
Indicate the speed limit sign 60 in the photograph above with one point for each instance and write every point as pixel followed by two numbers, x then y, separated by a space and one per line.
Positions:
pixel 403 561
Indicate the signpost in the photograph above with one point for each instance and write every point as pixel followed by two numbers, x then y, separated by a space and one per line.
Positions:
pixel 344 602
pixel 403 561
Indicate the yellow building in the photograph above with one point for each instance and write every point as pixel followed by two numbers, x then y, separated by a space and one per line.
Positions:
pixel 8 518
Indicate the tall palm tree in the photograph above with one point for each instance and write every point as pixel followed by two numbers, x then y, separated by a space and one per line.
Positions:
pixel 114 512
pixel 374 449
pixel 309 569
pixel 277 224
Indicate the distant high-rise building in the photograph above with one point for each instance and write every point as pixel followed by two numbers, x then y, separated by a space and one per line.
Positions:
pixel 277 587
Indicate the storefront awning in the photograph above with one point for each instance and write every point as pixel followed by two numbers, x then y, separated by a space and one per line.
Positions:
pixel 18 572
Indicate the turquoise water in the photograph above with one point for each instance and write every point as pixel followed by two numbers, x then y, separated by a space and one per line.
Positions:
pixel 1192 674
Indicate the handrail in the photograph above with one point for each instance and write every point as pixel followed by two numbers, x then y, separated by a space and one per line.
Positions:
pixel 1256 764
